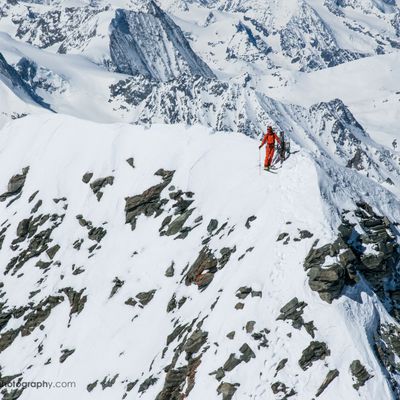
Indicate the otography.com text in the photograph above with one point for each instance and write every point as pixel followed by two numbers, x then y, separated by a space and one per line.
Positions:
pixel 38 384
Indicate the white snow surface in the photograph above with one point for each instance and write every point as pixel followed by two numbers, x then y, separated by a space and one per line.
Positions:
pixel 110 337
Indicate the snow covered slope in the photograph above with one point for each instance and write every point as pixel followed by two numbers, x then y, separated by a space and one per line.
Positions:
pixel 157 263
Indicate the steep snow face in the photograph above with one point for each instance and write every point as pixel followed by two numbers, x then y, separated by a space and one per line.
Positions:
pixel 151 44
pixel 11 79
pixel 158 263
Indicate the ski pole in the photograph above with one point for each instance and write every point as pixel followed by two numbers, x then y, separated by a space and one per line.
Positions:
pixel 259 161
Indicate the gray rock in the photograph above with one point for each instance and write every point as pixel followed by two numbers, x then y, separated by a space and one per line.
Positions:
pixel 314 352
pixel 52 251
pixel 328 282
pixel 250 326
pixel 247 353
pixel 293 311
pixel 169 273
pixel 108 382
pixel 149 202
pixel 16 183
pixel 331 375
pixel 65 354
pixel 91 386
pixel 231 363
pixel 145 297
pixel 281 365
pixel 213 224
pixel 177 224
pixel 87 177
pixel 360 374
pixel 131 162
pixel 195 341
pixel 118 283
pixel 243 292
pixel 205 262
pixel 249 221
pixel 150 381
pixel 227 390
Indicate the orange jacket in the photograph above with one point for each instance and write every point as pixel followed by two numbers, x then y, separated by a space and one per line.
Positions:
pixel 269 138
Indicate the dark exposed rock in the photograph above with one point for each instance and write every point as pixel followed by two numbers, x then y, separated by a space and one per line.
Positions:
pixel 91 386
pixel 39 314
pixel 261 338
pixel 315 351
pixel 118 283
pixel 39 242
pixel 281 365
pixel 280 387
pixel 360 374
pixel 97 234
pixel 108 382
pixel 239 306
pixel 15 185
pixel 87 177
pixel 144 298
pixel 231 363
pixel 249 221
pixel 304 234
pixel 247 353
pixel 331 375
pixel 372 250
pixel 7 338
pixel 231 335
pixel 213 224
pixel 52 251
pixel 131 162
pixel 65 354
pixel 99 184
pixel 282 236
pixel 202 270
pixel 328 282
pixel 169 273
pixel 177 224
pixel 226 253
pixel 174 382
pixel 293 311
pixel 310 328
pixel 76 300
pixel 150 381
pixel 250 326
pixel 36 206
pixel 149 202
pixel 172 303
pixel 195 341
pixel 243 292
pixel 227 390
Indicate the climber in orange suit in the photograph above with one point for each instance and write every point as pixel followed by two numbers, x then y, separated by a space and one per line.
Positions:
pixel 269 139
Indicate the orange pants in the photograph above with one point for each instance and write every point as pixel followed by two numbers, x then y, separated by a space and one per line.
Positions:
pixel 269 155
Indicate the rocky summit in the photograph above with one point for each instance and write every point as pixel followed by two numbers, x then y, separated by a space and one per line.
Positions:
pixel 145 254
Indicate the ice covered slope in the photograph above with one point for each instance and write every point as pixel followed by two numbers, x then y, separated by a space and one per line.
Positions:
pixel 156 263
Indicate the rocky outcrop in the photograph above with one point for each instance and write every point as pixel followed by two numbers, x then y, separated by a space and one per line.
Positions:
pixel 314 352
pixel 15 185
pixel 135 49
pixel 330 376
pixel 149 202
pixel 360 374
pixel 373 252
pixel 202 270
pixel 293 311
pixel 387 347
